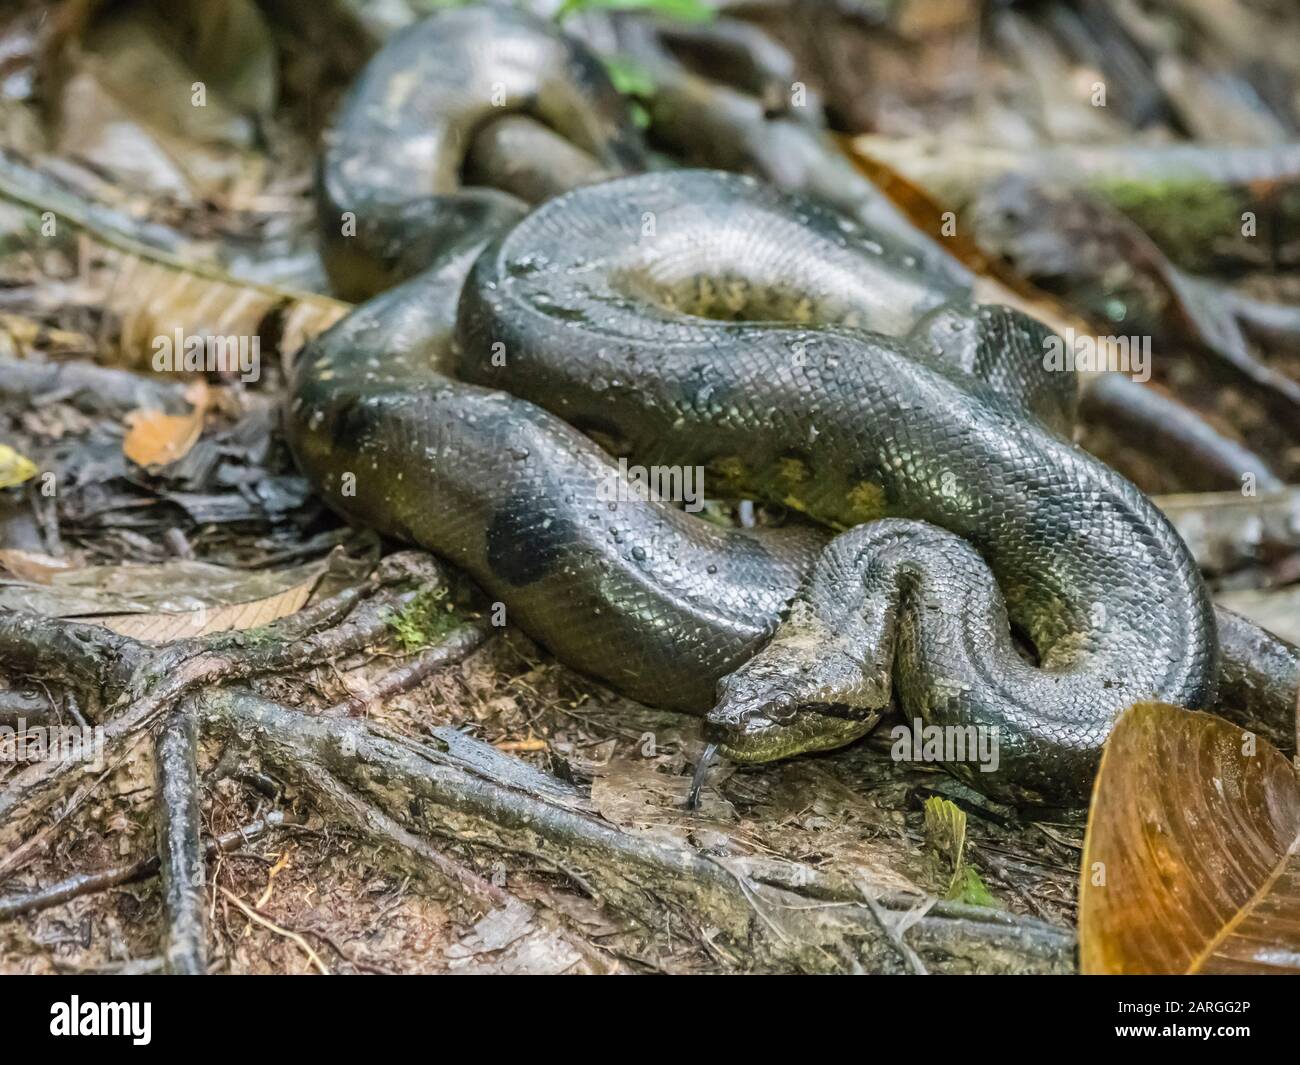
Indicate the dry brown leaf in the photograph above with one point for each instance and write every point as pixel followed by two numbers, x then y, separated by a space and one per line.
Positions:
pixel 995 283
pixel 32 566
pixel 163 628
pixel 155 438
pixel 1190 861
pixel 155 290
pixel 166 601
pixel 153 295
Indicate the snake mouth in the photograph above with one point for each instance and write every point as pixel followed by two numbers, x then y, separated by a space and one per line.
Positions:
pixel 760 716
pixel 760 738
pixel 751 736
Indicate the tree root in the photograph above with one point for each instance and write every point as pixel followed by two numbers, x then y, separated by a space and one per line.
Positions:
pixel 1259 681
pixel 455 646
pixel 71 652
pixel 145 682
pixel 1147 418
pixel 177 815
pixel 769 915
pixel 750 913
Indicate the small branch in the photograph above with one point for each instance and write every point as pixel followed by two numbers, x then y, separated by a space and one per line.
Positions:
pixel 888 925
pixel 458 644
pixel 89 883
pixel 402 567
pixel 1275 326
pixel 258 918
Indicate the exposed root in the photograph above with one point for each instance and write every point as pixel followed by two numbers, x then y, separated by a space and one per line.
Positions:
pixel 1259 680
pixel 456 645
pixel 177 814
pixel 458 788
pixel 751 913
pixel 260 918
pixel 1149 419
pixel 71 652
pixel 147 682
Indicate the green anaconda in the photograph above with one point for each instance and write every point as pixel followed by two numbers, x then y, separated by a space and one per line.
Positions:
pixel 986 571
pixel 391 192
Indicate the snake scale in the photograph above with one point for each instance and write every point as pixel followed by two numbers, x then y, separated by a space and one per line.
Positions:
pixel 960 553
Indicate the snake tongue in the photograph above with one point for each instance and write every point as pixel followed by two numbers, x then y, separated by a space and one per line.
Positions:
pixel 697 781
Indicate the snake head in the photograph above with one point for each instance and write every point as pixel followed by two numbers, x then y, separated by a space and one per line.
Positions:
pixel 755 728
pixel 752 701
pixel 795 695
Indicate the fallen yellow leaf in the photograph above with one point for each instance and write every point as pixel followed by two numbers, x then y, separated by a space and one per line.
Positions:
pixel 1191 863
pixel 15 468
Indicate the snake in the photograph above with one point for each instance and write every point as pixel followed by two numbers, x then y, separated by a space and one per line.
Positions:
pixel 520 363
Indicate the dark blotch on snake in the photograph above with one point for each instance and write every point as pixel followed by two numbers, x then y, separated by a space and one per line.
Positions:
pixel 525 541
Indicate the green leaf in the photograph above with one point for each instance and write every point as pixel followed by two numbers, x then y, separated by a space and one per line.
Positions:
pixel 683 10
pixel 967 887
pixel 629 77
pixel 424 620
pixel 632 80
pixel 945 831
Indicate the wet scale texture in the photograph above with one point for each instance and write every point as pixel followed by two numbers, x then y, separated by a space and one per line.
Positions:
pixel 699 318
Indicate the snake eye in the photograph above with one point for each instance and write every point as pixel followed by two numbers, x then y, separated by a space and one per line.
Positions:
pixel 781 708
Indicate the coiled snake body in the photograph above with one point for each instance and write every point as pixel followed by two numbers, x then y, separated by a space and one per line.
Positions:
pixel 701 319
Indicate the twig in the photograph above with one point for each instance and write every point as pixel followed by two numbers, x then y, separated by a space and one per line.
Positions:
pixel 267 923
pixel 910 957
pixel 133 872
